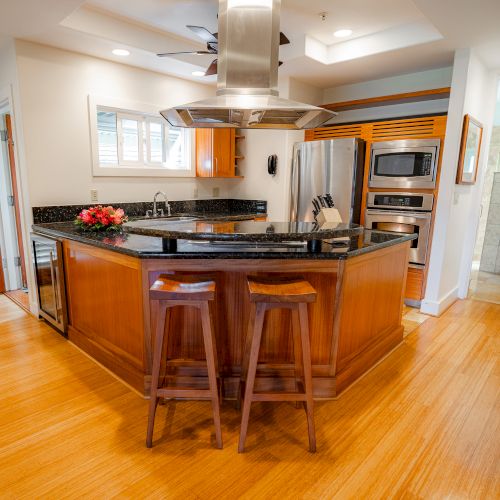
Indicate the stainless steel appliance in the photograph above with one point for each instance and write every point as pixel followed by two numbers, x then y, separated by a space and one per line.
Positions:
pixel 403 213
pixel 247 94
pixel 404 164
pixel 49 274
pixel 332 166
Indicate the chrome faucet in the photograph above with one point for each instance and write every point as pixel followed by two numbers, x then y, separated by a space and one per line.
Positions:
pixel 158 212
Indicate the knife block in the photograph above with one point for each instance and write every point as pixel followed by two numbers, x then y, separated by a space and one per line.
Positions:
pixel 328 218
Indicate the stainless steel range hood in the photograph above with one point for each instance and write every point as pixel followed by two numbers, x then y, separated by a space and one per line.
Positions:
pixel 247 79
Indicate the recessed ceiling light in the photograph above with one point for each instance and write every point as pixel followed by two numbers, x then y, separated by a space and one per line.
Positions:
pixel 121 52
pixel 342 33
pixel 198 73
pixel 250 3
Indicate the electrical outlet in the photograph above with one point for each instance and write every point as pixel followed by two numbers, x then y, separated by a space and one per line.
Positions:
pixel 195 192
pixel 93 196
pixel 215 192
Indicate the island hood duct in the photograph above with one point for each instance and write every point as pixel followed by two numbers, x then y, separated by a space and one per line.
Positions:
pixel 247 80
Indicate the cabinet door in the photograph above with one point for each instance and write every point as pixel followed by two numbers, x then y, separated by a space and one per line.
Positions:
pixel 223 151
pixel 204 152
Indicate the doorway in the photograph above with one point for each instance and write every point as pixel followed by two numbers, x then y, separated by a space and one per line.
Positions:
pixel 485 273
pixel 13 279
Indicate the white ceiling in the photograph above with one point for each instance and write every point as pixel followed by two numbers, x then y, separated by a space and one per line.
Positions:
pixel 397 36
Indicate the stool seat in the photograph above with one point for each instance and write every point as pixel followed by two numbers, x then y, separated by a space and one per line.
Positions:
pixel 183 287
pixel 280 289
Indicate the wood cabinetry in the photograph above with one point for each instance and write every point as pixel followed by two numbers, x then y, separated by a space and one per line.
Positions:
pixel 355 321
pixel 415 284
pixel 216 154
pixel 389 130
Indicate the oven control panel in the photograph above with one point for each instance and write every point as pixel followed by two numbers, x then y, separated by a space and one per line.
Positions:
pixel 401 201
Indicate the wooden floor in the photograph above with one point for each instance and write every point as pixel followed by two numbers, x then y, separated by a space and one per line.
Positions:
pixel 20 297
pixel 425 423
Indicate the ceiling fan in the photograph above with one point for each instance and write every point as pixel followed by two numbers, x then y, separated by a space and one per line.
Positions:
pixel 212 47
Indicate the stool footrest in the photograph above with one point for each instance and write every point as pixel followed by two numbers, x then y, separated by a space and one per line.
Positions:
pixel 188 392
pixel 278 396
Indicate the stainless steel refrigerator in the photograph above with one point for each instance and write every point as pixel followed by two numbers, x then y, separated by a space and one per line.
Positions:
pixel 331 166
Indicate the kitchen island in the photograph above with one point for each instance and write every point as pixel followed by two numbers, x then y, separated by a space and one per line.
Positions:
pixel 355 321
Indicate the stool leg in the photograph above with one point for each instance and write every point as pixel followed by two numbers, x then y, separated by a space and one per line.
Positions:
pixel 297 350
pixel 246 353
pixel 211 354
pixel 306 363
pixel 256 336
pixel 155 373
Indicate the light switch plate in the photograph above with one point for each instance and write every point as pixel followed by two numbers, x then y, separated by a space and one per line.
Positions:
pixel 215 192
pixel 93 196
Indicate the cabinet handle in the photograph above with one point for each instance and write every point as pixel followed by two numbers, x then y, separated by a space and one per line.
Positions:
pixel 53 277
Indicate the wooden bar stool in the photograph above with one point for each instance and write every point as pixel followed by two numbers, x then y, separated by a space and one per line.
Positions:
pixel 184 290
pixel 271 293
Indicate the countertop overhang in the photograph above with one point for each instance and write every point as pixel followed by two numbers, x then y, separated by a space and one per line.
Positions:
pixel 247 230
pixel 151 247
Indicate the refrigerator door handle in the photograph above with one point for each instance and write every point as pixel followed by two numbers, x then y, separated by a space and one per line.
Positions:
pixel 295 183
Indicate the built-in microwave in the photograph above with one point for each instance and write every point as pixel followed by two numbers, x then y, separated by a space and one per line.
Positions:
pixel 410 163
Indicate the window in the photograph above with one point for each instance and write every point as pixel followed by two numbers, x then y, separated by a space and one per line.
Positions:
pixel 128 142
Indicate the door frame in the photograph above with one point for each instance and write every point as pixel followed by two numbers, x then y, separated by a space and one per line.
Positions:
pixel 10 247
pixel 15 191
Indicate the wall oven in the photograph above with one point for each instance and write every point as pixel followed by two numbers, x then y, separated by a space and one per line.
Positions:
pixel 405 164
pixel 49 274
pixel 403 213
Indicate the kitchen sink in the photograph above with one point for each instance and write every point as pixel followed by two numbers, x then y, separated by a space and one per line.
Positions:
pixel 153 221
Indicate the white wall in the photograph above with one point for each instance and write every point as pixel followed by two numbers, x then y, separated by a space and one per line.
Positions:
pixel 458 207
pixel 303 92
pixel 424 80
pixel 9 93
pixel 54 85
pixel 258 184
pixel 259 144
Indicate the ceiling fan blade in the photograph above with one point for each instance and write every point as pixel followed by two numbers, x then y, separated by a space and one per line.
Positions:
pixel 283 39
pixel 212 69
pixel 203 33
pixel 193 52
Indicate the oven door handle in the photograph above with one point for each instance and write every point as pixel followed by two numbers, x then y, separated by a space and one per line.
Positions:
pixel 400 213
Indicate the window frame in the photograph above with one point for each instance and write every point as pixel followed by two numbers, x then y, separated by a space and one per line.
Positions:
pixel 145 113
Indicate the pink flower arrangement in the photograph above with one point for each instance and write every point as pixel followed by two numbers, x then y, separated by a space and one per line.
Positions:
pixel 99 217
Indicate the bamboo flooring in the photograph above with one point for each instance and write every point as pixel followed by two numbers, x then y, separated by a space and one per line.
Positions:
pixel 424 423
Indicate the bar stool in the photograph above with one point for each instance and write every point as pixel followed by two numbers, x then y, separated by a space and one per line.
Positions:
pixel 184 290
pixel 275 293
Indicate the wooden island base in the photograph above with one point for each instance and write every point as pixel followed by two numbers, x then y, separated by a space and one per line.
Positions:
pixel 355 321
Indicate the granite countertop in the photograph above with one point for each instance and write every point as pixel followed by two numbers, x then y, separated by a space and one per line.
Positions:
pixel 150 247
pixel 238 230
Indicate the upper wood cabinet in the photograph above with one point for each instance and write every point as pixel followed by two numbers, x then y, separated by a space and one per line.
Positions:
pixel 388 130
pixel 216 152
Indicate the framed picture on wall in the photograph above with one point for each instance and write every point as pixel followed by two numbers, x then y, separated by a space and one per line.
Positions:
pixel 472 134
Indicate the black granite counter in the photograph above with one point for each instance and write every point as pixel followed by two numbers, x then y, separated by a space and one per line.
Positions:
pixel 149 247
pixel 211 207
pixel 244 231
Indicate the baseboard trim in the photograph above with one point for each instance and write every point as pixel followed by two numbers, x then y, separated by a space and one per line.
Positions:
pixel 436 308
